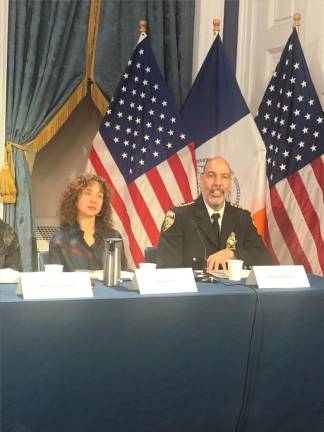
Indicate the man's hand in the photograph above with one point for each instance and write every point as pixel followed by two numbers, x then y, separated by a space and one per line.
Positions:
pixel 219 258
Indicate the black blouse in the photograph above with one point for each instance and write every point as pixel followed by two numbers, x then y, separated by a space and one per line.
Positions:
pixel 69 248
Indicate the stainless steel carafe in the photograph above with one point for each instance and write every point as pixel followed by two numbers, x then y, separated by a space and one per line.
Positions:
pixel 112 261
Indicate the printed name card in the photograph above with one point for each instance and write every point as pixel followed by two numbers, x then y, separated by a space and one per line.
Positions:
pixel 164 281
pixel 284 276
pixel 48 285
pixel 8 275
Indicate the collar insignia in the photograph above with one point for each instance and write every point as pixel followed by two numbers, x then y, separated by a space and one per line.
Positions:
pixel 168 220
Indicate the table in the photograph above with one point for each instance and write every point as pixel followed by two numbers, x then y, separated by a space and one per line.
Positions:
pixel 122 362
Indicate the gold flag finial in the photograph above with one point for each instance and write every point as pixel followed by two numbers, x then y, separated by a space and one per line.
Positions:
pixel 143 26
pixel 297 19
pixel 216 25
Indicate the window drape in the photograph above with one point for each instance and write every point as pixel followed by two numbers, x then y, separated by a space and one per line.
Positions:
pixel 170 28
pixel 46 62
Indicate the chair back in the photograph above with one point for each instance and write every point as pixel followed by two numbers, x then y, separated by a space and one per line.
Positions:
pixel 150 254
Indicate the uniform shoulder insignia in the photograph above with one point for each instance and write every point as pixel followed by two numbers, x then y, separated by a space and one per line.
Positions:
pixel 238 206
pixel 235 205
pixel 186 204
pixel 168 220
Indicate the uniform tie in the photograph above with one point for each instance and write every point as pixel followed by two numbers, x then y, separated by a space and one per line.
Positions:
pixel 215 217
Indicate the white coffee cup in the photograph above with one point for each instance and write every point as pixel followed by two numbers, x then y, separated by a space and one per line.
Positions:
pixel 234 269
pixel 55 268
pixel 147 266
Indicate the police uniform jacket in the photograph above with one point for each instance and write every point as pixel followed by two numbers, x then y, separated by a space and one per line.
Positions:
pixel 188 237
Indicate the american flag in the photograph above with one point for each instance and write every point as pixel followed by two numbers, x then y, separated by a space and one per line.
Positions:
pixel 291 121
pixel 144 151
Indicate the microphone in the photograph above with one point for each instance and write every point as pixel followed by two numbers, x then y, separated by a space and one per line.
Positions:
pixel 201 241
pixel 204 276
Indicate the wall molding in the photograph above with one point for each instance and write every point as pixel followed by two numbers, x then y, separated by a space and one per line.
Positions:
pixel 4 14
pixel 263 30
pixel 245 49
pixel 3 71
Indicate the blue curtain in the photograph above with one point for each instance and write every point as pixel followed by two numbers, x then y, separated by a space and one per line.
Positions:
pixel 231 13
pixel 171 24
pixel 46 61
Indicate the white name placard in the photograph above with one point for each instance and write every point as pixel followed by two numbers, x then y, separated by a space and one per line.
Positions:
pixel 8 275
pixel 50 285
pixel 284 276
pixel 164 281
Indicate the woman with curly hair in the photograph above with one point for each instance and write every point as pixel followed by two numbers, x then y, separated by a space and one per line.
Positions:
pixel 85 217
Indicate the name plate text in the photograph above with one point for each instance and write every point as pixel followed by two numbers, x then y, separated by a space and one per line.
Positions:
pixel 284 276
pixel 164 281
pixel 49 285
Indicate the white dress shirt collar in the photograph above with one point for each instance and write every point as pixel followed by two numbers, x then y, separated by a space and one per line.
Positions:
pixel 212 211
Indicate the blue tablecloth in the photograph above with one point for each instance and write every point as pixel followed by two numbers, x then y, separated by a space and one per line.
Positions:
pixel 211 361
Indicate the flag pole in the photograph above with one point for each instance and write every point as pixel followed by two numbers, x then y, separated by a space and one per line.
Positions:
pixel 216 26
pixel 297 19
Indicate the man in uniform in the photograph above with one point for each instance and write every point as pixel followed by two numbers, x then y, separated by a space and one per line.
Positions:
pixel 209 231
pixel 9 248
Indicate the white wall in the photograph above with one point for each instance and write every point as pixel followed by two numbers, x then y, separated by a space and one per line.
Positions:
pixel 264 28
pixel 205 12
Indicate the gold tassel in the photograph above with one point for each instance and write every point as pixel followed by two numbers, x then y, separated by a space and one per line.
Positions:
pixel 7 174
pixel 45 135
pixel 93 26
pixel 99 99
pixel 8 190
pixel 7 185
pixel 96 94
pixel 54 125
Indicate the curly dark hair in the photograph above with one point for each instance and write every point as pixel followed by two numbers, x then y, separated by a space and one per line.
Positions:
pixel 68 203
